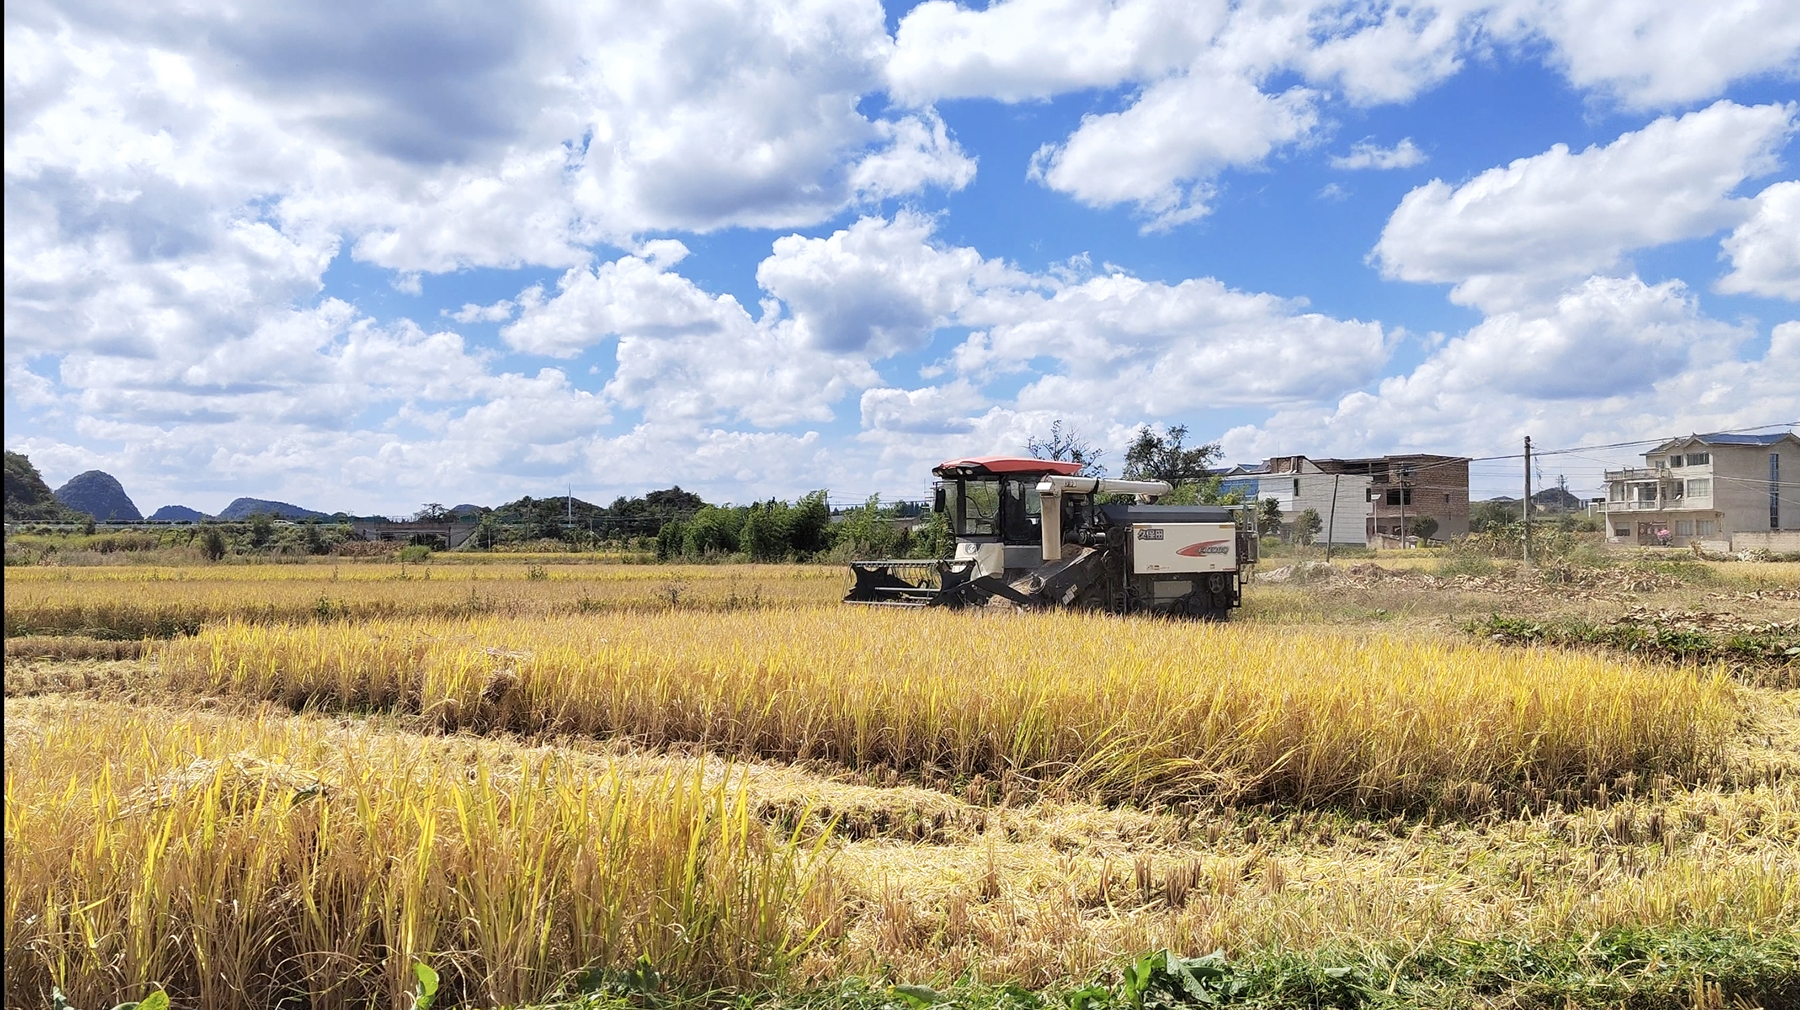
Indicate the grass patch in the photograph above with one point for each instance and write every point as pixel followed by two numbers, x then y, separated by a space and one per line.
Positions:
pixel 1615 969
pixel 1452 565
pixel 1767 654
pixel 1636 969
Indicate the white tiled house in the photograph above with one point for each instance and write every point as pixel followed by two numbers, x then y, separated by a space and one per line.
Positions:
pixel 1707 488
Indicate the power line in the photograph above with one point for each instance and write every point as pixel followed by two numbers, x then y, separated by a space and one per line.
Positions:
pixel 1535 452
pixel 1642 441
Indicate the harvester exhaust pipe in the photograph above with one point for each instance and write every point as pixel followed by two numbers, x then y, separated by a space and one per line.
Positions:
pixel 1050 490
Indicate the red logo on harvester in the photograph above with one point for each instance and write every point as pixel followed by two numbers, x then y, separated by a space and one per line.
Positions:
pixel 1205 547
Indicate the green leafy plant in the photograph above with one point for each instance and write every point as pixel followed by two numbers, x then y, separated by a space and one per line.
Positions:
pixel 1163 978
pixel 157 1000
pixel 426 989
pixel 918 997
pixel 1423 527
pixel 1308 524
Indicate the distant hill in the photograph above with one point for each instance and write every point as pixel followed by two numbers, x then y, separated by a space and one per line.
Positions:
pixel 100 495
pixel 28 497
pixel 1556 499
pixel 244 508
pixel 178 514
pixel 467 510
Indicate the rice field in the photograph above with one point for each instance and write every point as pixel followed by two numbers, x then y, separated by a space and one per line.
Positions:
pixel 162 602
pixel 246 862
pixel 1117 710
pixel 290 785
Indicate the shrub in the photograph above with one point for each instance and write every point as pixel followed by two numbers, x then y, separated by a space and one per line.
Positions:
pixel 212 542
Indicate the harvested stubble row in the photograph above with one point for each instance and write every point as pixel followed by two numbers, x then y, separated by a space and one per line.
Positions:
pixel 243 863
pixel 132 602
pixel 1115 709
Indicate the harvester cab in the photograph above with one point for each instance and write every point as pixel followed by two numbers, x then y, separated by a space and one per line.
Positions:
pixel 1032 533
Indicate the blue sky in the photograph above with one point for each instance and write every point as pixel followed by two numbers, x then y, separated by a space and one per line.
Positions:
pixel 365 258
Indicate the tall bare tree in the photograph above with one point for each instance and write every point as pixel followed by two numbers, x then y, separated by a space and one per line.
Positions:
pixel 1069 446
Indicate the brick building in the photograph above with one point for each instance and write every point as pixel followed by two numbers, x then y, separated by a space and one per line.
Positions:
pixel 1403 488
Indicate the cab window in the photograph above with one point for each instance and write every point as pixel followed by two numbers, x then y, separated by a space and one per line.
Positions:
pixel 978 514
pixel 1022 512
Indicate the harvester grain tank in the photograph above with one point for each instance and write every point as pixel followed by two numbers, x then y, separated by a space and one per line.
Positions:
pixel 1035 534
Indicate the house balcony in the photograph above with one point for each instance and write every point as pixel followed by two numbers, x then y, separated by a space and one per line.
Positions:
pixel 1666 505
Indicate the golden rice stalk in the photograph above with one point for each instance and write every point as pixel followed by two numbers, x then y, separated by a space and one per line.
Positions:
pixel 133 602
pixel 1122 709
pixel 238 864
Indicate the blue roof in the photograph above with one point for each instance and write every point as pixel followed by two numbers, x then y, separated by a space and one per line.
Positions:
pixel 1724 438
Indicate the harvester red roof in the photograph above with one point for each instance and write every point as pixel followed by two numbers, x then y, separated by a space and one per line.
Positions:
pixel 976 466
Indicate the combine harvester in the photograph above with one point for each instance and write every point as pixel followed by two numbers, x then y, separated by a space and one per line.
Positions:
pixel 1032 534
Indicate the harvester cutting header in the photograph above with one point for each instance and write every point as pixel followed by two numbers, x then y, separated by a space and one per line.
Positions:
pixel 1032 533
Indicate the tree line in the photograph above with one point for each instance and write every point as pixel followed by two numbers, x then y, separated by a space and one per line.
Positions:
pixel 806 530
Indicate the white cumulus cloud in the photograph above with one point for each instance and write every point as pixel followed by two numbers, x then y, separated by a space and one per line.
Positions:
pixel 1658 53
pixel 878 286
pixel 1016 50
pixel 1162 153
pixel 1368 154
pixel 1612 359
pixel 1765 250
pixel 1516 234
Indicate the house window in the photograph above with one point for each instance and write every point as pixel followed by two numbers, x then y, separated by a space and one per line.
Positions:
pixel 1699 458
pixel 1704 527
pixel 1701 488
pixel 1675 492
pixel 1399 496
pixel 1674 460
pixel 1646 494
pixel 1296 487
pixel 1621 531
pixel 1617 491
pixel 1684 527
pixel 1774 491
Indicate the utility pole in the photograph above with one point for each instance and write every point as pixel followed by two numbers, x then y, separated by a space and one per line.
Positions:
pixel 1525 506
pixel 1331 523
pixel 1403 508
